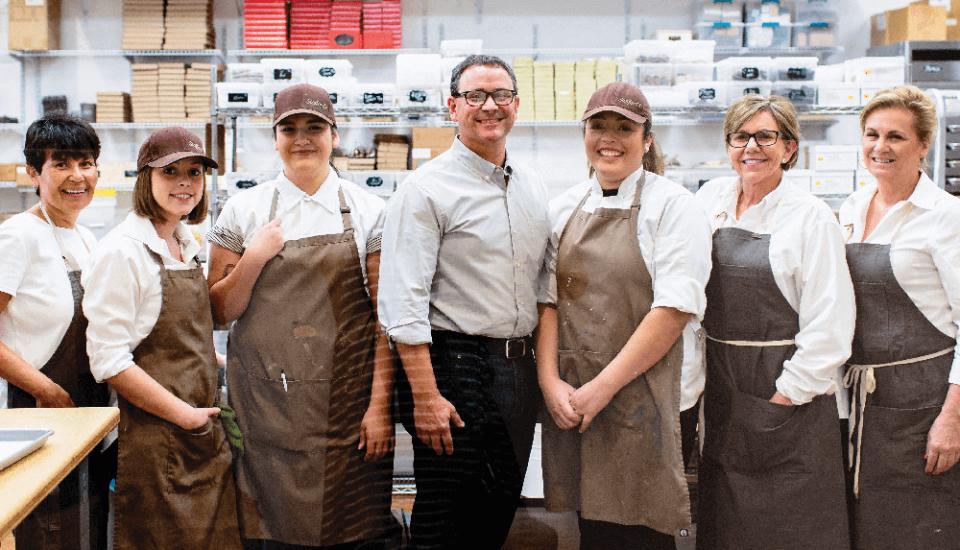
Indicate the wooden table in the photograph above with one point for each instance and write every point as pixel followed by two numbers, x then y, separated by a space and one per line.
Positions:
pixel 75 433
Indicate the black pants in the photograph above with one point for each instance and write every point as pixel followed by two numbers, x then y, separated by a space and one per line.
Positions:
pixel 257 544
pixel 603 535
pixel 468 499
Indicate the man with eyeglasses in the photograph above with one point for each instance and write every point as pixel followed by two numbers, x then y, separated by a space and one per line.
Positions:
pixel 462 254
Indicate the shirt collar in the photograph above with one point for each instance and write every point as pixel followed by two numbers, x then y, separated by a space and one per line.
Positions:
pixel 925 194
pixel 326 196
pixel 141 229
pixel 626 189
pixel 478 164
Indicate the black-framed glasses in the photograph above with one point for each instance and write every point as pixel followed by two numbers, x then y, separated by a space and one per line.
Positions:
pixel 476 98
pixel 764 138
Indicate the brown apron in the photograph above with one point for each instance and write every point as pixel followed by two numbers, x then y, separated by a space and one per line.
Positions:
pixel 299 377
pixel 898 506
pixel 627 468
pixel 56 522
pixel 771 476
pixel 175 488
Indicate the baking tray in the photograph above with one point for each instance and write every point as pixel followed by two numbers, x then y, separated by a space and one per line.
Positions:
pixel 18 443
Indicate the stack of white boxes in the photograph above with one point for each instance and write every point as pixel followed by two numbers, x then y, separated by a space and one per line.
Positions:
pixel 834 168
pixel 544 99
pixel 419 80
pixel 855 81
pixel 563 86
pixel 585 83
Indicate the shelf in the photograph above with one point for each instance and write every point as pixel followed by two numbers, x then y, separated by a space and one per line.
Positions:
pixel 325 53
pixel 537 52
pixel 115 53
pixel 396 112
pixel 144 125
pixel 822 53
pixel 15 127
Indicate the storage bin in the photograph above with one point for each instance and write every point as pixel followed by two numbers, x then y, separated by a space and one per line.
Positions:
pixel 817 34
pixel 377 182
pixel 736 90
pixel 288 70
pixel 373 95
pixel 802 179
pixel 320 71
pixel 692 72
pixel 706 94
pixel 835 157
pixel 244 72
pixel 665 97
pixel 765 10
pixel 816 12
pixel 692 51
pixel 744 68
pixel 652 74
pixel 768 34
pixel 647 51
pixel 726 34
pixel 838 94
pixel 794 68
pixel 268 93
pixel 832 183
pixel 799 93
pixel 419 96
pixel 238 95
pixel 419 69
pixel 721 10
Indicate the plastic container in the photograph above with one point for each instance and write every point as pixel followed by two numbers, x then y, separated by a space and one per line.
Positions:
pixel 768 34
pixel 244 72
pixel 835 157
pixel 692 72
pixel 377 182
pixel 838 94
pixel 238 95
pixel 832 183
pixel 268 93
pixel 794 68
pixel 653 74
pixel 372 95
pixel 726 34
pixel 798 92
pixel 692 51
pixel 765 10
pixel 665 97
pixel 744 68
pixel 288 70
pixel 647 51
pixel 736 90
pixel 802 179
pixel 813 12
pixel 419 96
pixel 320 71
pixel 419 69
pixel 705 94
pixel 871 70
pixel 340 91
pixel 816 34
pixel 721 10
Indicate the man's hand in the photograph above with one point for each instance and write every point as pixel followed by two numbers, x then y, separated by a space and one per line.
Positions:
pixel 556 395
pixel 376 433
pixel 432 416
pixel 943 443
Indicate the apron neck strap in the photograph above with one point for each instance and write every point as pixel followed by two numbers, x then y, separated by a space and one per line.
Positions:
pixel 344 211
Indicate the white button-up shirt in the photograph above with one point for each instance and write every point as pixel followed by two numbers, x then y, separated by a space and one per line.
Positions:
pixel 675 244
pixel 301 215
pixel 123 291
pixel 924 237
pixel 809 265
pixel 463 249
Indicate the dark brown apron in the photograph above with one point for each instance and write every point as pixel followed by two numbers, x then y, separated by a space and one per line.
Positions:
pixel 898 506
pixel 175 488
pixel 627 468
pixel 299 377
pixel 771 476
pixel 56 522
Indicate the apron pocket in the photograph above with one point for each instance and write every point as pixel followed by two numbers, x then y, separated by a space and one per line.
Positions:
pixel 894 441
pixel 873 319
pixel 764 436
pixel 192 457
pixel 294 415
pixel 737 284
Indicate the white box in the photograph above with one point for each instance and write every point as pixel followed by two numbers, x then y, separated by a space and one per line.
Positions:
pixel 419 69
pixel 867 92
pixel 377 182
pixel 373 95
pixel 736 90
pixel 802 179
pixel 832 183
pixel 838 94
pixel 871 70
pixel 830 73
pixel 320 71
pixel 705 93
pixel 454 48
pixel 744 68
pixel 244 72
pixel 666 97
pixel 795 68
pixel 238 95
pixel 863 178
pixel 268 93
pixel 835 157
pixel 285 70
pixel 419 96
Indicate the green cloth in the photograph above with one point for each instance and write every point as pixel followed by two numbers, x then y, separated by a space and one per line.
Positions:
pixel 229 418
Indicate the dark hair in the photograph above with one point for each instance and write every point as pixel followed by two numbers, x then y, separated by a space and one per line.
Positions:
pixel 653 158
pixel 146 206
pixel 481 60
pixel 63 136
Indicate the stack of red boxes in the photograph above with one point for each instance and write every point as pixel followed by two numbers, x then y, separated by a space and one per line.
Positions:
pixel 382 25
pixel 392 22
pixel 345 29
pixel 265 24
pixel 309 24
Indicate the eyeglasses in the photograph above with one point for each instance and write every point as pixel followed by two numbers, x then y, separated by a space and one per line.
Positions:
pixel 764 138
pixel 476 98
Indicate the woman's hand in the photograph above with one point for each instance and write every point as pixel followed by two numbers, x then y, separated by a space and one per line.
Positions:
pixel 376 433
pixel 780 399
pixel 589 400
pixel 267 242
pixel 53 396
pixel 557 395
pixel 195 417
pixel 943 443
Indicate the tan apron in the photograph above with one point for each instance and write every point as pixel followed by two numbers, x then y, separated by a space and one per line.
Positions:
pixel 175 488
pixel 628 467
pixel 299 377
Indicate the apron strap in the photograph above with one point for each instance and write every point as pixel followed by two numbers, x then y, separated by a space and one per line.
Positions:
pixel 273 205
pixel 754 343
pixel 864 382
pixel 345 211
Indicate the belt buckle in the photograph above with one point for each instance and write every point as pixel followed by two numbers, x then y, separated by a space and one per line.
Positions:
pixel 515 348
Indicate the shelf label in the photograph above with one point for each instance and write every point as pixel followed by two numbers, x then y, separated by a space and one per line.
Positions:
pixel 418 96
pixel 372 98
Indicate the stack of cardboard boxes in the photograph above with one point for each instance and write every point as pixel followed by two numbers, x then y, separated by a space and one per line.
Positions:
pixel 146 107
pixel 523 69
pixel 33 25
pixel 170 86
pixel 392 151
pixel 188 25
pixel 113 107
pixel 563 87
pixel 430 142
pixel 198 91
pixel 544 98
pixel 142 24
pixel 923 20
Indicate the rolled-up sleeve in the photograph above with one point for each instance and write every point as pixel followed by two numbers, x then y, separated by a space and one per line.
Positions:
pixel 547 282
pixel 944 248
pixel 226 233
pixel 13 261
pixel 681 256
pixel 408 261
pixel 110 302
pixel 827 313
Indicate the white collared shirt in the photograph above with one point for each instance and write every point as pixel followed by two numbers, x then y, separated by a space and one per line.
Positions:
pixel 301 215
pixel 33 271
pixel 463 249
pixel 675 244
pixel 809 265
pixel 123 291
pixel 924 237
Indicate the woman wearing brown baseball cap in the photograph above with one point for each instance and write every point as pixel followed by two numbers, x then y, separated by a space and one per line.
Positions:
pixel 150 337
pixel 294 263
pixel 629 258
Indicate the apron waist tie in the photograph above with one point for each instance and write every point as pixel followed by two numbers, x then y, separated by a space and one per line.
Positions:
pixel 862 379
pixel 754 343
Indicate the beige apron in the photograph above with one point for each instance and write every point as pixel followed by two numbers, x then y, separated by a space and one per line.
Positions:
pixel 627 468
pixel 175 488
pixel 299 376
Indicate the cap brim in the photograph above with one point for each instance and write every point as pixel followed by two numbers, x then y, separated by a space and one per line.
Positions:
pixel 613 109
pixel 174 157
pixel 279 118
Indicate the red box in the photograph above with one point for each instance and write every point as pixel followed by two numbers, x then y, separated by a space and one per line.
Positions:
pixel 345 39
pixel 378 40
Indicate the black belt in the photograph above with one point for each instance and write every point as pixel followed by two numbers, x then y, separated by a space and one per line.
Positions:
pixel 510 348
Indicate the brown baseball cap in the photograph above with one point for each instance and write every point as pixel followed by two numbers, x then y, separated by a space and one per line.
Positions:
pixel 622 98
pixel 303 98
pixel 171 144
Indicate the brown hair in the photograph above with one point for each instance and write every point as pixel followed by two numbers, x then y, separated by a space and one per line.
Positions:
pixel 780 108
pixel 145 205
pixel 652 159
pixel 913 100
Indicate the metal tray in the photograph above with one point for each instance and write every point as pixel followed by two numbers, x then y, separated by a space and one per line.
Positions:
pixel 18 443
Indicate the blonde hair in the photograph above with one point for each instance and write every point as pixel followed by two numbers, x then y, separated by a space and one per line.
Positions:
pixel 914 101
pixel 780 108
pixel 144 204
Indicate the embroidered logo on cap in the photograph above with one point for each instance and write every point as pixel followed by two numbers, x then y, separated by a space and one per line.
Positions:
pixel 315 103
pixel 193 145
pixel 628 101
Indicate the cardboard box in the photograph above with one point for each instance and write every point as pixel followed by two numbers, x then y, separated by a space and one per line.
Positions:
pixel 8 172
pixel 33 25
pixel 429 142
pixel 918 21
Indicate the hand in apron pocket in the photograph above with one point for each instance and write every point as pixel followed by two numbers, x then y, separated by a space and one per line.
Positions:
pixel 189 453
pixel 764 436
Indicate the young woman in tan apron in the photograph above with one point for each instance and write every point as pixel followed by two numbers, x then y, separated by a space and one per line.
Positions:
pixel 779 321
pixel 295 263
pixel 628 276
pixel 45 250
pixel 151 339
pixel 904 256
